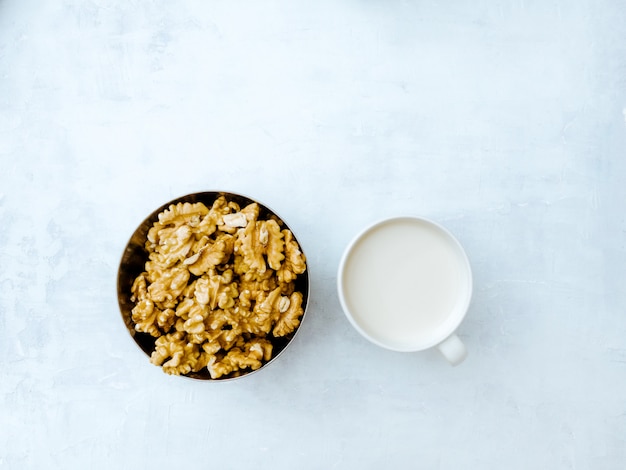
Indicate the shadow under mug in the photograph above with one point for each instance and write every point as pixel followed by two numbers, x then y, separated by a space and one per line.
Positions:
pixel 405 284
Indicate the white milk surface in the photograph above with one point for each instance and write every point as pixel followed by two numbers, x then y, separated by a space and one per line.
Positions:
pixel 402 281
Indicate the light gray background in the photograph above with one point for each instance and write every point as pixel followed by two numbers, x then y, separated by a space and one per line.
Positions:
pixel 503 120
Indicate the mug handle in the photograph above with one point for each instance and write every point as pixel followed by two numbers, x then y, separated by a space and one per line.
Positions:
pixel 453 349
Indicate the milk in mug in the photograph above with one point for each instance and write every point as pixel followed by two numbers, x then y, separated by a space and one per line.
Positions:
pixel 405 283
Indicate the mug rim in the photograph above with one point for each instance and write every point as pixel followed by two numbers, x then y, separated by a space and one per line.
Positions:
pixel 457 316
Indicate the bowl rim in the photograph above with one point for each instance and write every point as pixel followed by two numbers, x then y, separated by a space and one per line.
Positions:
pixel 130 246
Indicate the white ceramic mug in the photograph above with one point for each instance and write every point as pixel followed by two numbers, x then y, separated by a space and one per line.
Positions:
pixel 405 284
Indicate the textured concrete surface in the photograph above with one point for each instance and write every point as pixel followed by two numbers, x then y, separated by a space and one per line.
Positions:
pixel 503 120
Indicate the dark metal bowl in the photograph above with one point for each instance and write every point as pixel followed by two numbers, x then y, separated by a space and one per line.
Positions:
pixel 135 256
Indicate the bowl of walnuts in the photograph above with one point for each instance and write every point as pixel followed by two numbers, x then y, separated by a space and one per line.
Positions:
pixel 213 286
